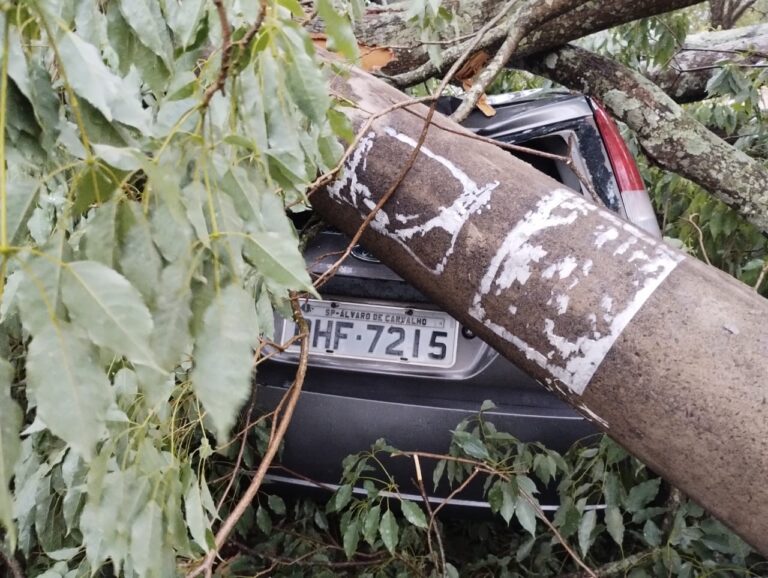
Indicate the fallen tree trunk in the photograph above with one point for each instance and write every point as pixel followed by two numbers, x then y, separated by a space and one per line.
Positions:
pixel 661 351
pixel 386 27
pixel 702 55
pixel 670 137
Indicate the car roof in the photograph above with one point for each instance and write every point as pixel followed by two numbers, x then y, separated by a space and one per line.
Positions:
pixel 522 112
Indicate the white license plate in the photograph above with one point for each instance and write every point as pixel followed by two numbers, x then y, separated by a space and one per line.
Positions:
pixel 379 333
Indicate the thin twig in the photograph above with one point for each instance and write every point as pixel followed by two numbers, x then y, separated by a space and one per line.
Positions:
pixel 227 47
pixel 245 41
pixel 490 34
pixel 440 555
pixel 613 568
pixel 460 488
pixel 563 542
pixel 701 237
pixel 278 433
pixel 477 463
pixel 529 16
pixel 238 461
pixel 761 277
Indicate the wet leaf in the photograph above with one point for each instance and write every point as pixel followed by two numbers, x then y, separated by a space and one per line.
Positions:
pixel 615 524
pixel 63 372
pixel 10 448
pixel 371 524
pixel 221 377
pixel 351 538
pixel 109 309
pixel 388 530
pixel 92 80
pixel 586 531
pixel 414 514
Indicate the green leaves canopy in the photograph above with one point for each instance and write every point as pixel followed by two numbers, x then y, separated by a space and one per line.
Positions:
pixel 140 229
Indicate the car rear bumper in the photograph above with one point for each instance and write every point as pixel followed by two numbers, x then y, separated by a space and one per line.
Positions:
pixel 326 428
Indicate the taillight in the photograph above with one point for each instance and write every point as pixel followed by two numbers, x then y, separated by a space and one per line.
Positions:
pixel 636 202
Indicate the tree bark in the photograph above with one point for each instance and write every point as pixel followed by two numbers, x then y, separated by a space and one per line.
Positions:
pixel 670 137
pixel 658 349
pixel 702 55
pixel 725 13
pixel 385 26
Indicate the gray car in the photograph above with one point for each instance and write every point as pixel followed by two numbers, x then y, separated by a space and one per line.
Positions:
pixel 385 362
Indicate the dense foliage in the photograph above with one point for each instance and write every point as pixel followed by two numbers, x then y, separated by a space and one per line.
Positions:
pixel 143 225
pixel 151 150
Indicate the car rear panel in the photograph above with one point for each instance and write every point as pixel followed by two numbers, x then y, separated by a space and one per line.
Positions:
pixel 349 403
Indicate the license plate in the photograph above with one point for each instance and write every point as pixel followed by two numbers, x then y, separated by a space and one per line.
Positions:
pixel 379 333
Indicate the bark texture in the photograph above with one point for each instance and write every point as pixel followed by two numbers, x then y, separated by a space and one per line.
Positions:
pixel 702 55
pixel 724 13
pixel 589 305
pixel 385 26
pixel 670 137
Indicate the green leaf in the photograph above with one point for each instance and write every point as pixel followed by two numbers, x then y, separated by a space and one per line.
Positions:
pixel 172 314
pixel 263 520
pixel 109 309
pixel 101 233
pixel 184 18
pixel 341 37
pixel 140 261
pixel 171 231
pixel 147 21
pixel 471 445
pixel 340 125
pixel 388 530
pixel 304 79
pixel 351 538
pixel 509 501
pixel 21 200
pixel 221 377
pixel 94 185
pixel 487 405
pixel 614 521
pixel 652 534
pixel 612 489
pixel 526 515
pixel 276 504
pixel 123 158
pixel 586 531
pixel 72 391
pixel 194 197
pixel 197 521
pixel 293 6
pixel 93 81
pixel 10 448
pixel 642 494
pixel 438 472
pixel 341 498
pixel 414 514
pixel 279 261
pixel 147 541
pixel 371 524
pixel 525 549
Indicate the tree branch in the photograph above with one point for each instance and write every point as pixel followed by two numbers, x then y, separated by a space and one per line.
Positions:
pixel 702 54
pixel 670 137
pixel 524 20
pixel 412 65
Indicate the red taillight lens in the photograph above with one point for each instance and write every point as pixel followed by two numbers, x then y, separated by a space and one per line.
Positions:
pixel 627 176
pixel 637 204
